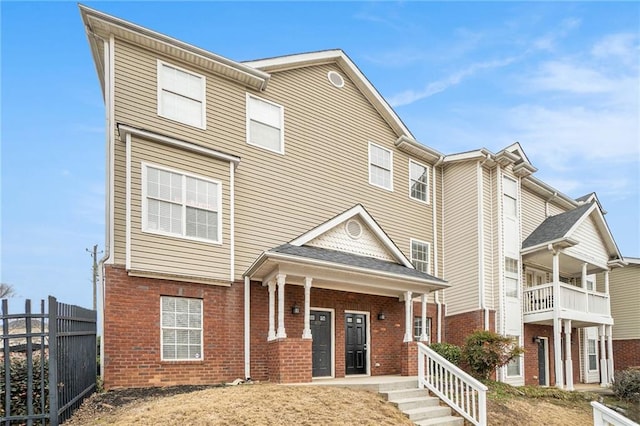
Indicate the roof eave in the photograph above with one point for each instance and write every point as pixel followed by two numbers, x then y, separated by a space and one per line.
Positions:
pixel 557 244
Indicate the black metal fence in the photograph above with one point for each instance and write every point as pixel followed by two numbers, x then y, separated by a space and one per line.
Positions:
pixel 48 362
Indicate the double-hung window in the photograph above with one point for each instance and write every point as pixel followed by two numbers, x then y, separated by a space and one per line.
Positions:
pixel 417 328
pixel 512 284
pixel 265 124
pixel 181 328
pixel 181 95
pixel 418 181
pixel 420 255
pixel 180 204
pixel 380 167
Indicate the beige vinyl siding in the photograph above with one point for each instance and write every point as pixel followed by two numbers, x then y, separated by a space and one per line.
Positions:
pixel 323 172
pixel 119 219
pixel 591 245
pixel 624 289
pixel 460 221
pixel 174 254
pixel 555 209
pixel 532 211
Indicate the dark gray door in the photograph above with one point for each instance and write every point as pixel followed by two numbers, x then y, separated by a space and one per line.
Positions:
pixel 355 344
pixel 321 346
pixel 542 362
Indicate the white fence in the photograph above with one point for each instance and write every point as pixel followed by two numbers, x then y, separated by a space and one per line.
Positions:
pixel 458 389
pixel 541 298
pixel 605 416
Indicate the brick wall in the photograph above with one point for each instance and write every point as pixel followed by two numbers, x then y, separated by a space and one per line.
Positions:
pixel 132 333
pixel 458 327
pixel 626 353
pixel 531 354
pixel 409 360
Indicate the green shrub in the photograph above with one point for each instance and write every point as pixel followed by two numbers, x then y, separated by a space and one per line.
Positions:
pixel 626 384
pixel 18 376
pixel 450 352
pixel 484 351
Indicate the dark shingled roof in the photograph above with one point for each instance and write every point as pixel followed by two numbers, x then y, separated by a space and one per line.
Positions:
pixel 555 227
pixel 585 197
pixel 353 260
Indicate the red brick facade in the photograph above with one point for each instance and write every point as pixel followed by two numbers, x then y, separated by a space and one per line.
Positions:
pixel 132 352
pixel 531 354
pixel 409 359
pixel 458 327
pixel 626 353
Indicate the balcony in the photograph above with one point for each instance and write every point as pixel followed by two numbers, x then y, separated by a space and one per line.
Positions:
pixel 575 303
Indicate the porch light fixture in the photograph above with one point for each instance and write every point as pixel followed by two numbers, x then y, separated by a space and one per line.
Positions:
pixel 381 316
pixel 295 309
pixel 536 339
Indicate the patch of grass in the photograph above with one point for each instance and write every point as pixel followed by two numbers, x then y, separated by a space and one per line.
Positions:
pixel 503 392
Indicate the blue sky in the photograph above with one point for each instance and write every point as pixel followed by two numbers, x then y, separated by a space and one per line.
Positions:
pixel 561 78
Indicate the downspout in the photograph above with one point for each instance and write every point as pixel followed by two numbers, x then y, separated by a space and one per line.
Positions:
pixel 247 328
pixel 435 246
pixel 481 281
pixel 109 77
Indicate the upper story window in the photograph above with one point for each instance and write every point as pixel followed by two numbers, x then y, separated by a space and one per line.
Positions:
pixel 265 124
pixel 181 328
pixel 418 181
pixel 510 191
pixel 179 204
pixel 511 281
pixel 420 255
pixel 181 95
pixel 380 166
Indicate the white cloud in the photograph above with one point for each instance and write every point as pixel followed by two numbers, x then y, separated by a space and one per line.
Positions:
pixel 410 96
pixel 622 46
pixel 549 40
pixel 568 77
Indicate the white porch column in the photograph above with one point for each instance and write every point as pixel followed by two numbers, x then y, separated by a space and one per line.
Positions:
pixel 604 375
pixel 281 332
pixel 557 352
pixel 408 334
pixel 306 333
pixel 584 276
pixel 423 336
pixel 606 282
pixel 272 306
pixel 610 354
pixel 567 354
pixel 557 322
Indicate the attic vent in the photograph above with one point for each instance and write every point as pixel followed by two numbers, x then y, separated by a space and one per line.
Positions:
pixel 335 79
pixel 353 228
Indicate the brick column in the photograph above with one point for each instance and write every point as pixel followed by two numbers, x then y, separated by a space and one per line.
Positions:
pixel 409 359
pixel 289 360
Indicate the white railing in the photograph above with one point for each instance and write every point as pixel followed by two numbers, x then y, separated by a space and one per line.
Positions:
pixel 605 416
pixel 458 389
pixel 540 299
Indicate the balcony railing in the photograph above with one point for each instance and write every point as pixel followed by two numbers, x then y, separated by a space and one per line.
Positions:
pixel 541 298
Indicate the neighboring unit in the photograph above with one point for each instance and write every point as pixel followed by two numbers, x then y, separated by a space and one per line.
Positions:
pixel 275 219
pixel 625 306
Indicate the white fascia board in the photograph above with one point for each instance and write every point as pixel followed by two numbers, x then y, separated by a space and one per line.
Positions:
pixel 566 242
pixel 465 156
pixel 632 260
pixel 339 266
pixel 283 63
pixel 102 24
pixel 516 146
pixel 357 210
pixel 415 148
pixel 187 146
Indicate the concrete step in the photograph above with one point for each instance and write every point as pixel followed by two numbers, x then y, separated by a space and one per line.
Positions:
pixel 441 421
pixel 416 414
pixel 394 395
pixel 399 385
pixel 416 402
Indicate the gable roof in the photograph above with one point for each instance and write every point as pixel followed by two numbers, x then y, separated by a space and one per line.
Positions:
pixel 353 260
pixel 339 57
pixel 359 211
pixel 559 229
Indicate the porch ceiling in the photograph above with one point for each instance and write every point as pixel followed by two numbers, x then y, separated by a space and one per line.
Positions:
pixel 568 264
pixel 342 271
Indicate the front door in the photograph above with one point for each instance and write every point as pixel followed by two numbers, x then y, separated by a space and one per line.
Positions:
pixel 542 362
pixel 355 344
pixel 320 322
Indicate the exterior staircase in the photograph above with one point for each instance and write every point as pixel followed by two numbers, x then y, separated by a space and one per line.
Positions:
pixel 418 405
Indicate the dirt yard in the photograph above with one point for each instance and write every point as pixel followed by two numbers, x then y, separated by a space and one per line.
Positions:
pixel 269 404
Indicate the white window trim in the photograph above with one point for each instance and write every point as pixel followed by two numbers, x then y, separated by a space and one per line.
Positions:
pixel 428 244
pixel 390 188
pixel 417 338
pixel 201 333
pixel 203 124
pixel 183 236
pixel 248 124
pixel 428 200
